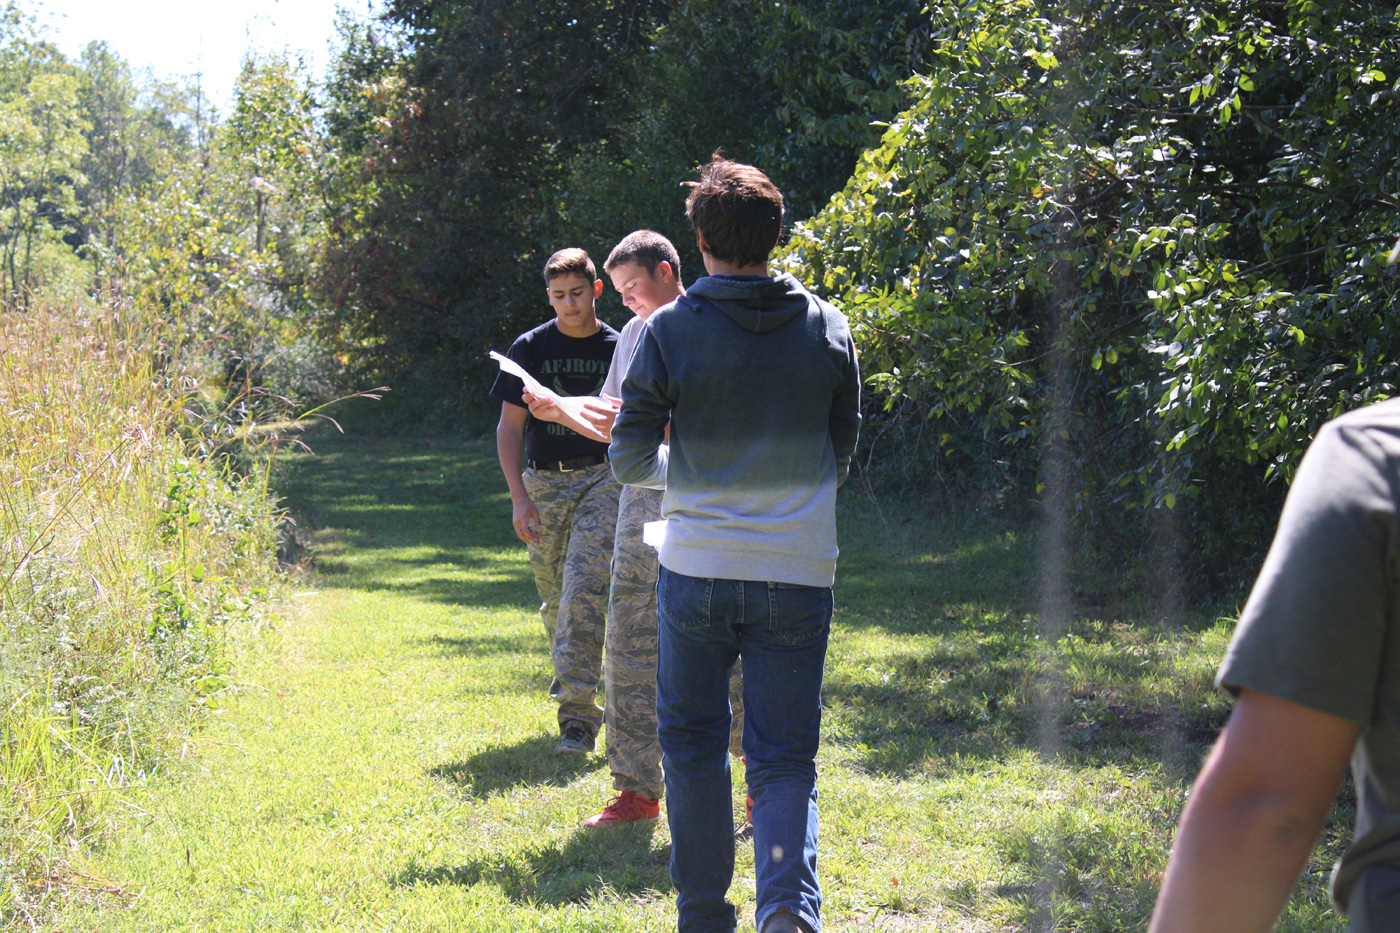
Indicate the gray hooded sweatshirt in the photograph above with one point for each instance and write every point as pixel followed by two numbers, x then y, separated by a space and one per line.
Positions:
pixel 758 379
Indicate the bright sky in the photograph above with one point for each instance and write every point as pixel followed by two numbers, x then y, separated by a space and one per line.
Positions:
pixel 178 38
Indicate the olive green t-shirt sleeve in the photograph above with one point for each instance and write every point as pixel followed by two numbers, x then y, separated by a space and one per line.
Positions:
pixel 1314 627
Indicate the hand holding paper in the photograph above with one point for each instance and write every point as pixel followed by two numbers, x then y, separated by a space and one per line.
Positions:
pixel 579 412
pixel 593 418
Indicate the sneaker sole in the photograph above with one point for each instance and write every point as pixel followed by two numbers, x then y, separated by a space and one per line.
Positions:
pixel 572 750
pixel 604 824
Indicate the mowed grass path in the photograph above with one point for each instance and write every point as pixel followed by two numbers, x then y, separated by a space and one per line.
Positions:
pixel 386 764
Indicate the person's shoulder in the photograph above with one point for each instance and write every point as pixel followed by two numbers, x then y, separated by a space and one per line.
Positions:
pixel 833 320
pixel 1365 436
pixel 822 305
pixel 629 330
pixel 671 313
pixel 1385 415
pixel 538 332
pixel 607 331
pixel 816 304
pixel 1379 423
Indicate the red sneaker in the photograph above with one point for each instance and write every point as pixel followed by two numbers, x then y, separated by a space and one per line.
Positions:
pixel 748 800
pixel 746 829
pixel 624 808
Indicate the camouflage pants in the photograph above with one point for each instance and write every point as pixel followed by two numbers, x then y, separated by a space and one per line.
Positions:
pixel 629 661
pixel 578 510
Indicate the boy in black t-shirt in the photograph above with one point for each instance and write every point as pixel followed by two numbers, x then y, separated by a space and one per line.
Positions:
pixel 564 498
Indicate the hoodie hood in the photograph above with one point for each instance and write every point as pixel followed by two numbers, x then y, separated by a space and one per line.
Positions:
pixel 755 304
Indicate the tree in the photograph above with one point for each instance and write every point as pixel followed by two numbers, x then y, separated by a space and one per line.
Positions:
pixel 484 138
pixel 793 87
pixel 435 249
pixel 1144 241
pixel 41 148
pixel 129 126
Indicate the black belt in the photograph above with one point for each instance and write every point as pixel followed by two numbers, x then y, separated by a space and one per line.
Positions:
pixel 565 466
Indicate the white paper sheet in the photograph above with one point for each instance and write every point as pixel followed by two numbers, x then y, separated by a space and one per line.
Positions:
pixel 570 404
pixel 515 369
pixel 654 533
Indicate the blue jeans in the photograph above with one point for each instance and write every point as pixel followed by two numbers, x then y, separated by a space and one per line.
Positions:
pixel 780 630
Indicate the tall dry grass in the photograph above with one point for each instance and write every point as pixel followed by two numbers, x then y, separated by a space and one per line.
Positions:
pixel 127 551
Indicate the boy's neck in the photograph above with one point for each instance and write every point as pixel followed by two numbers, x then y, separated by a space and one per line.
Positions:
pixel 720 267
pixel 580 330
pixel 680 292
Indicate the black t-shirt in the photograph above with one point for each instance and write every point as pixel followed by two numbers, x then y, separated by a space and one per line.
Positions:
pixel 567 365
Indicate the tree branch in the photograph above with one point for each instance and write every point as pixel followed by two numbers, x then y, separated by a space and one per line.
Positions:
pixel 1297 147
pixel 1308 254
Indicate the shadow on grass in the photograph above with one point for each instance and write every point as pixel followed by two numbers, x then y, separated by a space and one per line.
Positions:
pixel 983 685
pixel 912 575
pixel 1069 872
pixel 441 499
pixel 520 643
pixel 619 860
pixel 530 761
pixel 954 664
pixel 450 590
pixel 512 663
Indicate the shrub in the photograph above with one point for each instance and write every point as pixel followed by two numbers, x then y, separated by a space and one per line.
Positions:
pixel 126 555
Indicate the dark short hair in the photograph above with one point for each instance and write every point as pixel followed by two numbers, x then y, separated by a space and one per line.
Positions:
pixel 738 209
pixel 646 248
pixel 567 262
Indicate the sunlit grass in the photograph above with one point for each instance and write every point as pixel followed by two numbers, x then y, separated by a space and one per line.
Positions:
pixel 393 769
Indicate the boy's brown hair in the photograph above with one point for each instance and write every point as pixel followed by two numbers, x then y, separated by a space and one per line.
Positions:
pixel 568 262
pixel 738 209
pixel 646 248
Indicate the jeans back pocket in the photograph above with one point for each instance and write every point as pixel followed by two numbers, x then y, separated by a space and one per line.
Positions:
pixel 798 614
pixel 684 602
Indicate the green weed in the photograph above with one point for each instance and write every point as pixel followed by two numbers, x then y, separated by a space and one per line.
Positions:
pixel 125 558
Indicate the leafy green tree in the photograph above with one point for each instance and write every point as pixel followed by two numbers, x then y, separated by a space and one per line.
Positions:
pixel 23 53
pixel 456 148
pixel 474 141
pixel 792 86
pixel 129 126
pixel 1137 239
pixel 273 144
pixel 272 140
pixel 41 149
pixel 224 237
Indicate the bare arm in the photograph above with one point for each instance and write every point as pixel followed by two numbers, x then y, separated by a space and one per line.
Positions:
pixel 1254 816
pixel 510 450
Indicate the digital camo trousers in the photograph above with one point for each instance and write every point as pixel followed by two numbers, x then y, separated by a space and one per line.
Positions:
pixel 629 661
pixel 578 512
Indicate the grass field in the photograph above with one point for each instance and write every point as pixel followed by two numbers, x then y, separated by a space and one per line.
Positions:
pixel 386 763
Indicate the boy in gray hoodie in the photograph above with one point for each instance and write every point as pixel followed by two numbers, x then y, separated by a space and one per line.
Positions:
pixel 758 380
